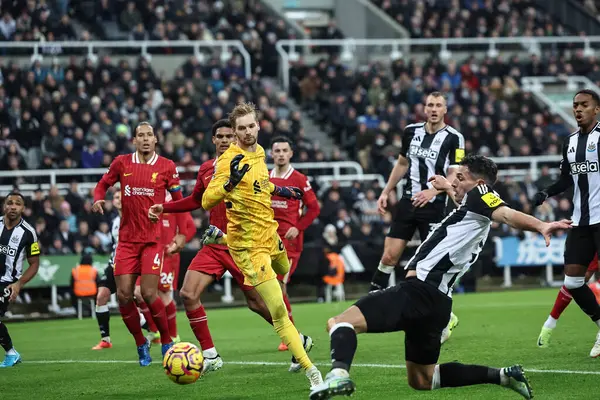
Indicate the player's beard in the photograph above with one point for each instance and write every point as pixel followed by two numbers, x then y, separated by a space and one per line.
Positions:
pixel 247 140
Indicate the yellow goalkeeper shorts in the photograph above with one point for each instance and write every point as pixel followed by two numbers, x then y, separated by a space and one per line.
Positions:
pixel 259 265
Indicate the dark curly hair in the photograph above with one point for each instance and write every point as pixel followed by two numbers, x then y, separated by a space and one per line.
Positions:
pixel 481 167
pixel 591 93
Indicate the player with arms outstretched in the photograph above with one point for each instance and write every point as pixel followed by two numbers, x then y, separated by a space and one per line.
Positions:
pixel 289 213
pixel 421 305
pixel 580 170
pixel 213 260
pixel 18 241
pixel 145 178
pixel 252 237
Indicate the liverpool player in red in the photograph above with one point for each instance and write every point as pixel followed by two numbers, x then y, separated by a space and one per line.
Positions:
pixel 177 230
pixel 212 261
pixel 291 214
pixel 563 299
pixel 145 178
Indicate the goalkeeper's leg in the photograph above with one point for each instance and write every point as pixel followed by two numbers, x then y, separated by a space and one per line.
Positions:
pixel 270 292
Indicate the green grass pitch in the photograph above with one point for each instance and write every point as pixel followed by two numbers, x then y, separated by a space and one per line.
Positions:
pixel 497 329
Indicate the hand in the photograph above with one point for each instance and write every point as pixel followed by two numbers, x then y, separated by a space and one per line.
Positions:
pixel 550 227
pixel 440 183
pixel 176 245
pixel 292 233
pixel 236 174
pixel 154 212
pixel 289 192
pixel 423 197
pixel 14 288
pixel 538 199
pixel 98 207
pixel 382 203
pixel 212 235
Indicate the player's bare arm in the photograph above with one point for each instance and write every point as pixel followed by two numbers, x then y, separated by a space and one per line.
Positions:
pixel 522 221
pixel 34 265
pixel 398 172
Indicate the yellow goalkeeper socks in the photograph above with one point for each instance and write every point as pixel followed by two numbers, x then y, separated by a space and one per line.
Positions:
pixel 270 291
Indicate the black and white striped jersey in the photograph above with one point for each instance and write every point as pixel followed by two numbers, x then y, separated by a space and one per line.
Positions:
pixel 115 238
pixel 16 245
pixel 429 154
pixel 581 162
pixel 455 243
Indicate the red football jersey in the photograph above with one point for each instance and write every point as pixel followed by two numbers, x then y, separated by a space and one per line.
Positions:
pixel 142 185
pixel 218 214
pixel 289 213
pixel 172 224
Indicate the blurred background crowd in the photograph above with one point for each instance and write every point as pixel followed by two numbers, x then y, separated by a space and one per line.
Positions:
pixel 79 112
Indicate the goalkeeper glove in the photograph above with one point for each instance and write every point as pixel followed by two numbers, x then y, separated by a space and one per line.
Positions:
pixel 235 174
pixel 289 192
pixel 539 198
pixel 213 235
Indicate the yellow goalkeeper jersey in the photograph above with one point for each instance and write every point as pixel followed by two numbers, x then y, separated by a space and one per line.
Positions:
pixel 251 221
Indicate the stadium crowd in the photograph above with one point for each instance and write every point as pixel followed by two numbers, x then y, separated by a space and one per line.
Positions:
pixel 81 114
pixel 471 18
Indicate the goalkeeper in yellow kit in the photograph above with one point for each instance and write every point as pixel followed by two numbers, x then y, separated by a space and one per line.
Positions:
pixel 252 235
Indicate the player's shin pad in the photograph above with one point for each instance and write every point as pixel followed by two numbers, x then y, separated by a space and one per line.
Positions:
pixel 270 291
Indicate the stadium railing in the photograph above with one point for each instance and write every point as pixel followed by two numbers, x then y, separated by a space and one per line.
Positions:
pixel 339 170
pixel 41 49
pixel 289 50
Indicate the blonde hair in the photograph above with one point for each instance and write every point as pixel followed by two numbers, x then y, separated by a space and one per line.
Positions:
pixel 241 110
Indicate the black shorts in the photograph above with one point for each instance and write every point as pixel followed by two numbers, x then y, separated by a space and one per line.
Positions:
pixel 407 219
pixel 415 307
pixel 4 296
pixel 108 281
pixel 583 242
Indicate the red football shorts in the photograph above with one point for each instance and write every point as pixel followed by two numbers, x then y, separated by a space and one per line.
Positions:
pixel 169 273
pixel 594 264
pixel 215 262
pixel 294 258
pixel 138 258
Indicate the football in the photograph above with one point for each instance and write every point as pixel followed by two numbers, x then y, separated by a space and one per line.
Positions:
pixel 183 363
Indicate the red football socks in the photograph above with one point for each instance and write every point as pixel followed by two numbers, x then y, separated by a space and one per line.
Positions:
pixel 148 315
pixel 172 318
pixel 562 301
pixel 199 324
pixel 159 316
pixel 131 318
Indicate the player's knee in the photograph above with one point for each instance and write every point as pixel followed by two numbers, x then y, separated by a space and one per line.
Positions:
pixel 419 381
pixel 187 296
pixel 149 294
pixel 124 297
pixel 331 323
pixel 389 257
pixel 102 297
pixel 574 282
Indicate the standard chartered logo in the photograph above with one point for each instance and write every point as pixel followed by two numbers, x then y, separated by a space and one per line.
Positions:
pixel 138 191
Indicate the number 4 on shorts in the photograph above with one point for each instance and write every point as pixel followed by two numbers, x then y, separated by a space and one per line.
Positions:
pixel 156 262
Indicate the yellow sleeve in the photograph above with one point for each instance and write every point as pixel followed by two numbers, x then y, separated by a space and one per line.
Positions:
pixel 215 192
pixel 271 187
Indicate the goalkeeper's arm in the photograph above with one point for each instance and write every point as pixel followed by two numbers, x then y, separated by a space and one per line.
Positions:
pixel 289 192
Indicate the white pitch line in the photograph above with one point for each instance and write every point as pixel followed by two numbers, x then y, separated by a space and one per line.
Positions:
pixel 276 363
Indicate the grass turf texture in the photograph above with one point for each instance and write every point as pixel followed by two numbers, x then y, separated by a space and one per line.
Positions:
pixel 497 329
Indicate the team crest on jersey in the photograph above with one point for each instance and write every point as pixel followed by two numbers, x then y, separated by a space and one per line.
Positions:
pixel 437 141
pixel 15 239
pixel 591 147
pixel 154 175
